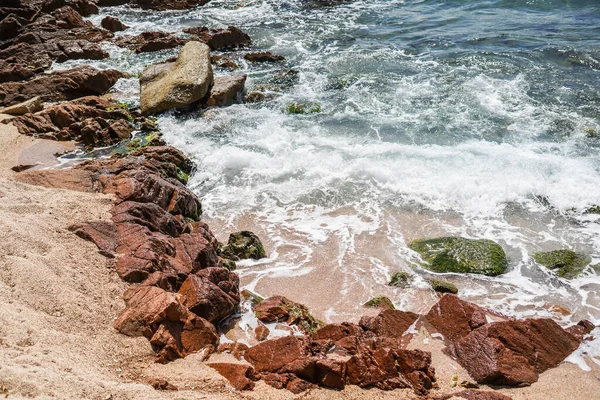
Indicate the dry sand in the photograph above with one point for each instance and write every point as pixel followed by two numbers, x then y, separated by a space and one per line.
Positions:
pixel 59 297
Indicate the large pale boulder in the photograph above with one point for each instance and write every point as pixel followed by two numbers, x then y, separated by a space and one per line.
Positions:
pixel 184 82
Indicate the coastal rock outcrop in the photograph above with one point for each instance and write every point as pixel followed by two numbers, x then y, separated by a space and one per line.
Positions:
pixel 179 84
pixel 113 24
pixel 61 85
pixel 92 121
pixel 220 39
pixel 455 318
pixel 457 254
pixel 150 41
pixel 243 245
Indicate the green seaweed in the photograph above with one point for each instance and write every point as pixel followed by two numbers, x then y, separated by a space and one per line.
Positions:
pixel 303 108
pixel 243 245
pixel 457 254
pixel 380 302
pixel 443 286
pixel 568 263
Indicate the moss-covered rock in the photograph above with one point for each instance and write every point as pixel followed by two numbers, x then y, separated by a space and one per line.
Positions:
pixel 243 245
pixel 400 279
pixel 227 264
pixel 380 302
pixel 568 263
pixel 457 254
pixel 137 142
pixel 443 286
pixel 252 297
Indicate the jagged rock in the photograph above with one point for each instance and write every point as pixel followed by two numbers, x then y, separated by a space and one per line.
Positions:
pixel 236 349
pixel 14 72
pixel 455 318
pixel 220 39
pixel 274 354
pixel 113 24
pixel 90 120
pixel 263 56
pixel 281 309
pixel 389 323
pixel 174 340
pixel 185 82
pixel 224 62
pixel 457 254
pixel 239 375
pixel 581 329
pixel 380 302
pixel 514 352
pixel 212 293
pixel 567 263
pixel 243 245
pixel 253 298
pixel 84 7
pixel 150 41
pixel 147 308
pixel 102 233
pixel 226 90
pixel 26 107
pixel 61 85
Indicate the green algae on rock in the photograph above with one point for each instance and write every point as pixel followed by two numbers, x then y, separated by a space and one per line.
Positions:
pixel 243 245
pixel 568 263
pixel 400 279
pixel 443 286
pixel 457 254
pixel 380 302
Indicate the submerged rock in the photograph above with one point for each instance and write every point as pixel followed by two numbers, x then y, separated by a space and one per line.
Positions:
pixel 457 254
pixel 443 286
pixel 243 245
pixel 179 84
pixel 568 263
pixel 400 279
pixel 263 56
pixel 380 302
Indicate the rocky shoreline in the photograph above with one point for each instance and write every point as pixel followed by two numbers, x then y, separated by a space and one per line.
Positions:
pixel 183 285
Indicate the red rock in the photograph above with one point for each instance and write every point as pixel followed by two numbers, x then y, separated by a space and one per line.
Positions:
pixel 263 56
pixel 455 318
pixel 146 309
pixel 272 355
pixel 212 293
pixel 90 120
pixel 220 39
pixel 514 352
pixel 337 332
pixel 84 7
pixel 113 24
pixel 331 373
pixel 162 384
pixel 281 309
pixel 261 332
pixel 237 349
pixel 389 323
pixel 150 215
pixel 150 41
pixel 582 328
pixel 102 233
pixel 239 375
pixel 61 85
pixel 178 339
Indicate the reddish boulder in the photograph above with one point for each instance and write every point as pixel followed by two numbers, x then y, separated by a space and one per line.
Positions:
pixel 281 309
pixel 514 352
pixel 237 349
pixel 581 329
pixel 240 376
pixel 91 120
pixel 389 323
pixel 263 56
pixel 272 355
pixel 146 309
pixel 335 332
pixel 61 85
pixel 113 24
pixel 455 318
pixel 102 233
pixel 220 39
pixel 150 41
pixel 261 332
pixel 174 339
pixel 212 293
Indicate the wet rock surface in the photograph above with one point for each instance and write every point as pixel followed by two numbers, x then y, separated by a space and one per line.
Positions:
pixel 281 309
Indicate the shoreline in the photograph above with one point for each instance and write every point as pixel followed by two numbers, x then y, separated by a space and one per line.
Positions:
pixel 51 277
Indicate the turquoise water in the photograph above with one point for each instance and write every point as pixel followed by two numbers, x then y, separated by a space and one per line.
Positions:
pixel 474 118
